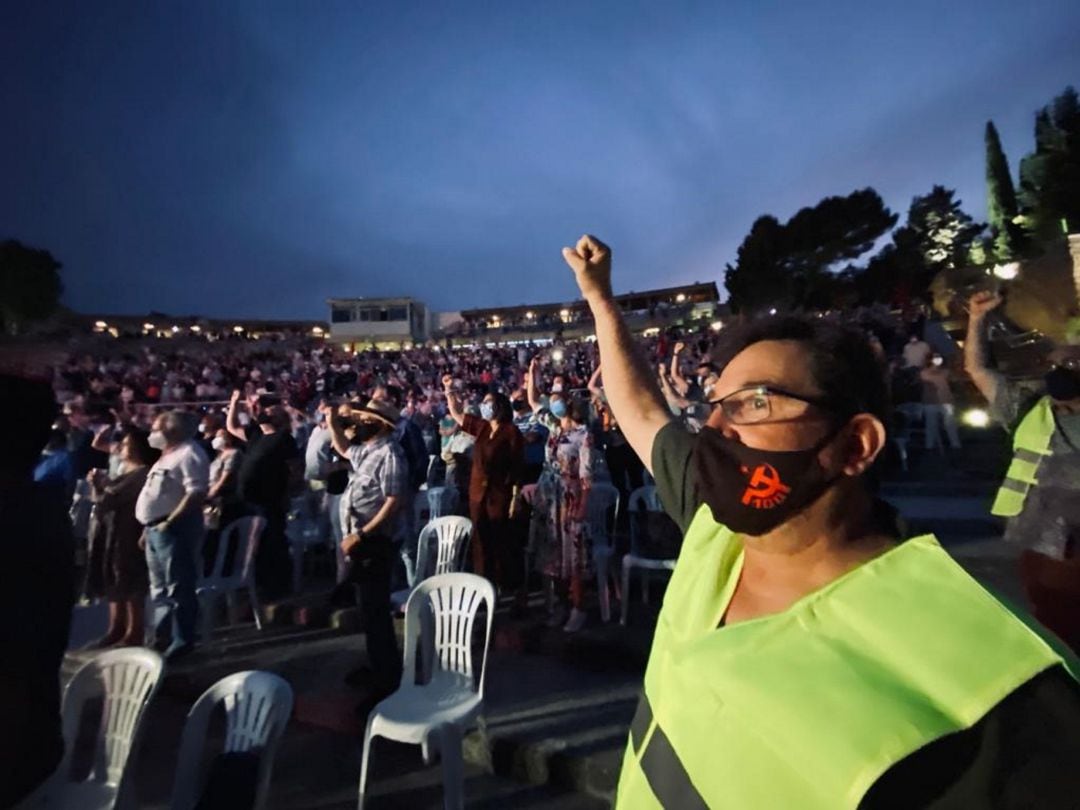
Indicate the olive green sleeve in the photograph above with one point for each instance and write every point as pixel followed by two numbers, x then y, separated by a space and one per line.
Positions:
pixel 673 469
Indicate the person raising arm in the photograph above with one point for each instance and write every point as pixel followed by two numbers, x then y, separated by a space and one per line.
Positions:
pixel 678 381
pixel 976 361
pixel 232 420
pixel 630 388
pixel 453 404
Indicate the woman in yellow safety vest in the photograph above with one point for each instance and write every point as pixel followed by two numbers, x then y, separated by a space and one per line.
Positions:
pixel 1040 494
pixel 804 656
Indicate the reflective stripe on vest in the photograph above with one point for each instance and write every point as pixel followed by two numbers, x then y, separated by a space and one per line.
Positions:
pixel 809 707
pixel 1031 444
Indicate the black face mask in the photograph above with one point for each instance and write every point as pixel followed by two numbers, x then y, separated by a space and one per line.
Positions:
pixel 1062 383
pixel 753 491
pixel 365 431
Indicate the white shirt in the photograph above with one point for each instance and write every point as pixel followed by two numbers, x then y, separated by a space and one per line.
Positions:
pixel 317 453
pixel 182 470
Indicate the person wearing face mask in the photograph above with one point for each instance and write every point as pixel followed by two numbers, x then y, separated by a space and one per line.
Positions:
pixel 170 508
pixel 370 507
pixel 534 435
pixel 1040 496
pixel 498 460
pixel 939 409
pixel 222 498
pixel 563 493
pixel 626 469
pixel 116 567
pixel 270 465
pixel 804 655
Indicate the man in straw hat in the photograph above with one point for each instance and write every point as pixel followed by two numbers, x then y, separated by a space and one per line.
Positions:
pixel 369 509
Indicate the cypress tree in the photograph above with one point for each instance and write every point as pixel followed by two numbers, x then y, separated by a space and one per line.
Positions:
pixel 1001 207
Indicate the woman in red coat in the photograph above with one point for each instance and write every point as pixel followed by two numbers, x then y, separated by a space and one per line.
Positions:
pixel 497 464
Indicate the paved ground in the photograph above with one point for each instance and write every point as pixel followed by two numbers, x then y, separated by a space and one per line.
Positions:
pixel 557 706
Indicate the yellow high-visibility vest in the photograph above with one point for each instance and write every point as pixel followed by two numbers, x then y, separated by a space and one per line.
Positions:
pixel 1031 444
pixel 807 708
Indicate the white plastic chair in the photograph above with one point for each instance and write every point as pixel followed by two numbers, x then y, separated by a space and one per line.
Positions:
pixel 125 680
pixel 450 536
pixel 647 497
pixel 303 530
pixel 247 531
pixel 602 522
pixel 432 459
pixel 258 706
pixel 442 501
pixel 435 715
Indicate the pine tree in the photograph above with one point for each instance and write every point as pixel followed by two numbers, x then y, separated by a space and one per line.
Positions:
pixel 1001 206
pixel 1050 176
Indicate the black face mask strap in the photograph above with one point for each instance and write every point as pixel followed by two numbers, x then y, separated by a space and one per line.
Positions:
pixel 831 434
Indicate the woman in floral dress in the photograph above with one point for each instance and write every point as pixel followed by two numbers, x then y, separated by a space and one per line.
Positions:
pixel 562 494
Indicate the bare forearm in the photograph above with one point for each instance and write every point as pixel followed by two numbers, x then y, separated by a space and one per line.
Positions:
pixel 232 425
pixel 454 407
pixel 977 359
pixel 534 399
pixel 670 394
pixel 629 386
pixel 215 490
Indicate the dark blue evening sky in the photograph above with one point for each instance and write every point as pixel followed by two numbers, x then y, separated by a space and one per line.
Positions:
pixel 254 158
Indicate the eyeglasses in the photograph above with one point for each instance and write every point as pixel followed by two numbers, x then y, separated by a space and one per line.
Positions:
pixel 761 403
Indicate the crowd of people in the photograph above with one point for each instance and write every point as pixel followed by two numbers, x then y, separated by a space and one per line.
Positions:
pixel 153 452
pixel 181 443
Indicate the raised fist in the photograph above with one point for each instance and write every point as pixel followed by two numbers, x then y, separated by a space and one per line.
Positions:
pixel 590 260
pixel 982 302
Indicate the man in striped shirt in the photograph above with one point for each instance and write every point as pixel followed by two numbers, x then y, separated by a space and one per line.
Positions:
pixel 378 484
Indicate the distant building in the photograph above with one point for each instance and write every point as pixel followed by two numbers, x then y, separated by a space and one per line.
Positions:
pixel 644 311
pixel 358 323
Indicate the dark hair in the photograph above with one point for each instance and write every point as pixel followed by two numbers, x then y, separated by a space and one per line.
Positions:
pixel 578 411
pixel 843 365
pixel 139 444
pixel 503 411
pixel 231 439
pixel 393 393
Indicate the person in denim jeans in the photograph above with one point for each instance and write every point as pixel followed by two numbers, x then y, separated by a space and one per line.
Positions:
pixel 170 507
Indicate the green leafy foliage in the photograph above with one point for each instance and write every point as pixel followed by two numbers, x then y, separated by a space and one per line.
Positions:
pixel 1050 175
pixel 789 265
pixel 1007 239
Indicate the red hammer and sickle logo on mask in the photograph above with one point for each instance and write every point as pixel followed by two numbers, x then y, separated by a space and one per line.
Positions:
pixel 765 489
